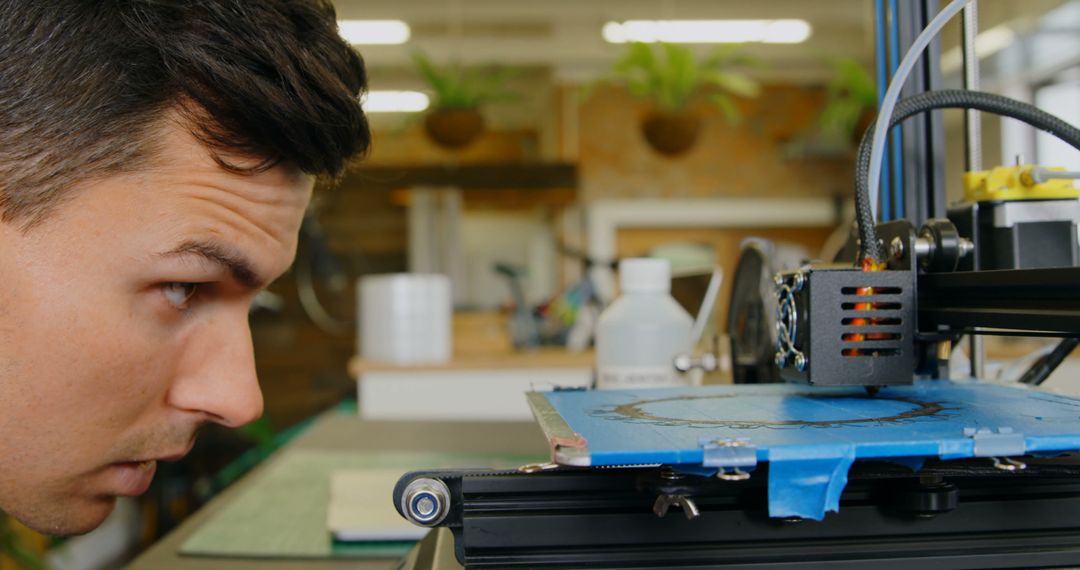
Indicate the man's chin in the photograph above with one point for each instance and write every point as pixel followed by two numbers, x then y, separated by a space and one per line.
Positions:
pixel 68 518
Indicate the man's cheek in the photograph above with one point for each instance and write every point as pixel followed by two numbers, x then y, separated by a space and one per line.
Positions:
pixel 118 362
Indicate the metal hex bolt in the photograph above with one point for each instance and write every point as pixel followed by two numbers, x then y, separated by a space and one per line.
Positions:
pixel 780 359
pixel 896 248
pixel 800 362
pixel 425 501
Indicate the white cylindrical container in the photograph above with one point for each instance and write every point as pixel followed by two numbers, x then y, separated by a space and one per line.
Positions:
pixel 405 318
pixel 639 335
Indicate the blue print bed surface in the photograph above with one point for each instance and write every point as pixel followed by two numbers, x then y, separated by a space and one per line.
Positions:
pixel 928 419
pixel 811 435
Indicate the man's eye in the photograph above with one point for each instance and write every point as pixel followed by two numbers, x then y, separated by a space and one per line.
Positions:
pixel 179 293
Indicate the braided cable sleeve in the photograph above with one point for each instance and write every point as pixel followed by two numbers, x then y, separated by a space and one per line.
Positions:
pixel 943 99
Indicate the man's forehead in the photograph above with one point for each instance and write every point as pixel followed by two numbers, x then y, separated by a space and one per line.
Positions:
pixel 184 160
pixel 178 149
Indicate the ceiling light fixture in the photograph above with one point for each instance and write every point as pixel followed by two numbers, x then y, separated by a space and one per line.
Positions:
pixel 363 32
pixel 708 31
pixel 987 43
pixel 395 102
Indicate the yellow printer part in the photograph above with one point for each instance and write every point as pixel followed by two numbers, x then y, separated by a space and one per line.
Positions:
pixel 1006 183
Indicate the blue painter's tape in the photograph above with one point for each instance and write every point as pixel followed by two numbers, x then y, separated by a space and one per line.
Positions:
pixel 807 483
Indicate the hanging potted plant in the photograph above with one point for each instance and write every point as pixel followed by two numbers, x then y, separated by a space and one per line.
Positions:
pixel 671 78
pixel 850 103
pixel 457 94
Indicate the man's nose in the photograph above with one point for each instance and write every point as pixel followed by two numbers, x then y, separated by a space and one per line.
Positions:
pixel 218 376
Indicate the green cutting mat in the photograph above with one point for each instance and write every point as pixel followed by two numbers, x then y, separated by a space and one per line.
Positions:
pixel 282 514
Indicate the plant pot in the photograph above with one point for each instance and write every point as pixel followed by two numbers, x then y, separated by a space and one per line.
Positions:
pixel 454 128
pixel 671 134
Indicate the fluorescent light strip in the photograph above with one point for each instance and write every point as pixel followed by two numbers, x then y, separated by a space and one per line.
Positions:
pixel 987 43
pixel 395 102
pixel 362 32
pixel 708 31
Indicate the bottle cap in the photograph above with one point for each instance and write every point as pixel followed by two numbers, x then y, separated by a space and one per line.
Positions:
pixel 645 275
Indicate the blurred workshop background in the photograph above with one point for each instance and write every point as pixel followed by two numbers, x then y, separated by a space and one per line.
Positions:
pixel 520 150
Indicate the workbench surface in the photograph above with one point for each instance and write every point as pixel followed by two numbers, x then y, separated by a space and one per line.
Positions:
pixel 342 432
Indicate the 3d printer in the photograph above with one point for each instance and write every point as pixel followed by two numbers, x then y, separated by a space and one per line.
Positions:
pixel 1003 262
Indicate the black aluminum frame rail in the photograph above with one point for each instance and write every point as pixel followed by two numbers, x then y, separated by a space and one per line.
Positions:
pixel 1021 301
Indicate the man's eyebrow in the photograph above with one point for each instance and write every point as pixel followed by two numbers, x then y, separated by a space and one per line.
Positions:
pixel 241 269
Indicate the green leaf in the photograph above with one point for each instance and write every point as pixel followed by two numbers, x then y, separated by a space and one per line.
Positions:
pixel 736 83
pixel 638 58
pixel 727 106
pixel 671 76
pixel 683 74
pixel 453 87
pixel 722 56
pixel 851 77
pixel 850 93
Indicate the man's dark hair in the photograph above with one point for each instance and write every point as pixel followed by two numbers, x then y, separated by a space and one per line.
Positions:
pixel 86 84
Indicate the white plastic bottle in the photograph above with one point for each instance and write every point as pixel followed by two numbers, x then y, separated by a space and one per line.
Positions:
pixel 639 335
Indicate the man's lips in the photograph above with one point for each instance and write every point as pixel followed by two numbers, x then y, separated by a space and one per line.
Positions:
pixel 133 478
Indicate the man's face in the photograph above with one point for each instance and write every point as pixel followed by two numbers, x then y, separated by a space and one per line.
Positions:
pixel 124 327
